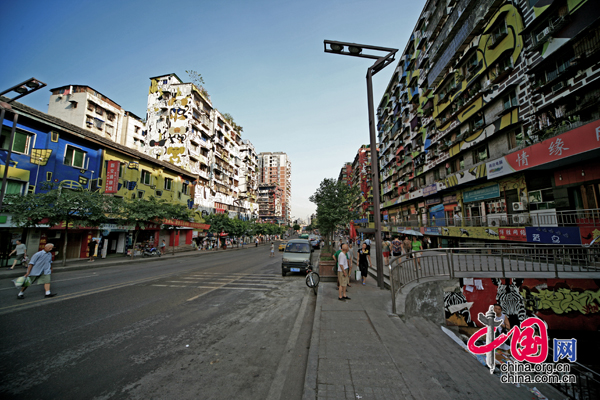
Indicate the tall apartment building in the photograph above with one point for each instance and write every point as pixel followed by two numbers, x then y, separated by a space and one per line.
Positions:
pixel 361 177
pixel 270 203
pixel 276 168
pixel 488 129
pixel 186 130
pixel 346 174
pixel 85 107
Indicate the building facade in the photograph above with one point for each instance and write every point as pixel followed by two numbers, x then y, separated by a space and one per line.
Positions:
pixel 184 129
pixel 488 127
pixel 276 169
pixel 270 204
pixel 346 174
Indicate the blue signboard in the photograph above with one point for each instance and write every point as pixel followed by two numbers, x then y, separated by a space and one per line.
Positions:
pixel 432 231
pixel 553 235
pixel 489 192
pixel 436 215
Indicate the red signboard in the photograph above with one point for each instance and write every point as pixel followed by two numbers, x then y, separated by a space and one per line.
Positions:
pixel 576 141
pixel 187 224
pixel 514 234
pixel 112 177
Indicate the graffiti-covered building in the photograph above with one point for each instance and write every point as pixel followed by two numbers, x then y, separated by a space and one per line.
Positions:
pixel 488 127
pixel 361 178
pixel 186 130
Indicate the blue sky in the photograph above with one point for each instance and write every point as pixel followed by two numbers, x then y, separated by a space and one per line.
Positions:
pixel 262 61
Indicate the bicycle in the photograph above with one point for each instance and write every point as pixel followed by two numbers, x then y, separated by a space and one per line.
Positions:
pixel 312 279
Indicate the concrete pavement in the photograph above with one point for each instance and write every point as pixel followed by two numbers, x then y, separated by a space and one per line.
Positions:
pixel 360 350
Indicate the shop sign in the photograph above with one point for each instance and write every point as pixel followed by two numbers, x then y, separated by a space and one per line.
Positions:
pixel 421 205
pixel 449 199
pixel 553 235
pixel 471 232
pixel 361 221
pixel 433 200
pixel 432 231
pixel 489 192
pixel 116 227
pixel 385 217
pixel 514 234
pixel 573 142
pixel 112 177
pixel 429 190
pixel 186 224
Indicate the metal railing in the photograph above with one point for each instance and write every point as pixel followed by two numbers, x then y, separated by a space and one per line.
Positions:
pixel 542 261
pixel 587 381
pixel 587 217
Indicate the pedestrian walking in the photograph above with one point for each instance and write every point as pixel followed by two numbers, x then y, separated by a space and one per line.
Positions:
pixel 39 269
pixel 163 247
pixel 342 272
pixel 417 248
pixel 364 262
pixel 256 242
pixel 20 251
pixel 336 257
pixel 272 249
pixel 368 243
pixel 91 249
pixel 350 257
pixel 407 244
pixel 396 248
pixel 386 247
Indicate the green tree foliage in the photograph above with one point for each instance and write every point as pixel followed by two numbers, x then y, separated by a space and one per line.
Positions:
pixel 198 81
pixel 231 122
pixel 334 205
pixel 296 227
pixel 74 208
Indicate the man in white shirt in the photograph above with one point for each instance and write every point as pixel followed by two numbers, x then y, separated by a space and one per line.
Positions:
pixel 343 273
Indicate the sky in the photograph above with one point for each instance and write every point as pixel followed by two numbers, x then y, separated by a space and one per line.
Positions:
pixel 262 62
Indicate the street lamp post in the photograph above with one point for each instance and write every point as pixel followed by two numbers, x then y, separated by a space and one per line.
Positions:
pixel 385 58
pixel 23 89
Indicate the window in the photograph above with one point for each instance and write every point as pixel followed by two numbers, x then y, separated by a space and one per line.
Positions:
pixel 91 106
pixel 21 143
pixel 89 121
pixel 54 136
pixel 480 154
pixel 168 183
pixel 184 188
pixel 436 174
pixel 136 129
pixel 110 116
pixel 75 157
pixel 146 177
pixel 140 194
pixel 109 129
pixel 510 100
pixel 48 176
pixel 13 187
pixel 99 110
pixel 515 139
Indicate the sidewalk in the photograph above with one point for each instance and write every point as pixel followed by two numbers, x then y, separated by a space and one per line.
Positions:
pixel 82 263
pixel 359 350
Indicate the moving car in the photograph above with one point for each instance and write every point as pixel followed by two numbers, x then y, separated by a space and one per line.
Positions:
pixel 297 256
pixel 282 245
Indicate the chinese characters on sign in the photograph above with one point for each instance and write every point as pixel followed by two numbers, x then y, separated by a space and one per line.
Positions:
pixel 522 159
pixel 112 177
pixel 556 148
pixel 514 234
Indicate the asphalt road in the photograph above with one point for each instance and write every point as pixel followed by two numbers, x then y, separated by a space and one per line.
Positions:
pixel 224 325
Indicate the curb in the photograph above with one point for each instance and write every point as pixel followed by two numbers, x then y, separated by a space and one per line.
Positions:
pixel 310 377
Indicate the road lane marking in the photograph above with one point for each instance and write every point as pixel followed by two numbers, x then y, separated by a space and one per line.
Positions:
pixel 284 363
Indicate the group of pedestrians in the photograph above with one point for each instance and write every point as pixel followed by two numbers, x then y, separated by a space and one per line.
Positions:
pixel 345 257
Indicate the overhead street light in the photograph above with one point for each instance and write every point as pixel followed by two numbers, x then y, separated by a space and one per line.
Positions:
pixel 23 89
pixel 383 57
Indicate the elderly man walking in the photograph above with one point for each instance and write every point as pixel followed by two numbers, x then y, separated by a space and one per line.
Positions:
pixel 39 269
pixel 343 273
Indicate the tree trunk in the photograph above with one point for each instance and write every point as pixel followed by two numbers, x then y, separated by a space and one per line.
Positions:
pixel 64 255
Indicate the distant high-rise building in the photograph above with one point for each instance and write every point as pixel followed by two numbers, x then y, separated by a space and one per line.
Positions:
pixel 346 174
pixel 276 168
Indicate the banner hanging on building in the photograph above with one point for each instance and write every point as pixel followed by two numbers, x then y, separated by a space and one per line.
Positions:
pixel 112 177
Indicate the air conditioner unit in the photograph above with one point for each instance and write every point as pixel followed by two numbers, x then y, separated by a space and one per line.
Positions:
pixel 540 36
pixel 518 206
pixel 495 220
pixel 520 219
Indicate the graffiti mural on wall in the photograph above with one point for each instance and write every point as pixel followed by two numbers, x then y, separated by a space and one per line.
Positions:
pixel 564 304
